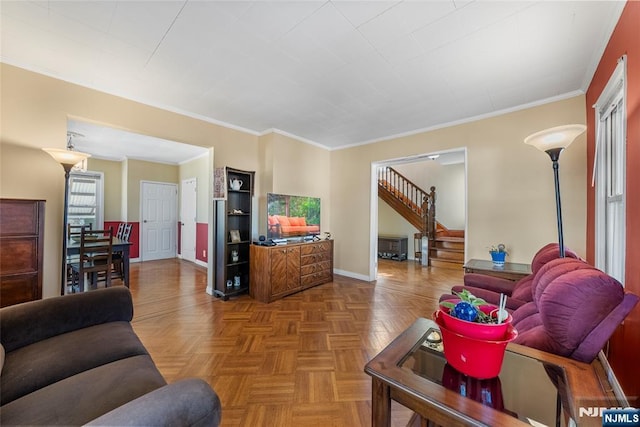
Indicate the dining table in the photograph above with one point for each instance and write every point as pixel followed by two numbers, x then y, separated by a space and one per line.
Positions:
pixel 119 245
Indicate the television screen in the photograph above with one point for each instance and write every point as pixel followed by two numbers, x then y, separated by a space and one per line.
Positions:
pixel 292 216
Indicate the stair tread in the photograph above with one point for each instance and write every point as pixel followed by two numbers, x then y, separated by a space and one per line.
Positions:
pixel 447 248
pixel 450 239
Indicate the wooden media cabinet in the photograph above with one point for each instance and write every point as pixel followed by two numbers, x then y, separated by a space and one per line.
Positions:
pixel 281 270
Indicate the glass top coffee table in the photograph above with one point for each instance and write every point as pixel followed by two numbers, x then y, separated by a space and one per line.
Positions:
pixel 533 387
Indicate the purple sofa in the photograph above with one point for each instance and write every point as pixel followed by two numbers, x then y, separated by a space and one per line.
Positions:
pixel 489 288
pixel 575 310
pixel 571 307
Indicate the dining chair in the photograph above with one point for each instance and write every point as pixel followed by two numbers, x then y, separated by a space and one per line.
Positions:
pixel 124 232
pixel 73 233
pixel 95 261
pixel 120 230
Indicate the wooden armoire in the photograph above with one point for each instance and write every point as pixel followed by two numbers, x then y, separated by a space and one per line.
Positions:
pixel 21 250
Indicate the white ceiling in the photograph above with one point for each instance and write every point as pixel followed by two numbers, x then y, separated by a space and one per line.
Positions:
pixel 334 73
pixel 114 144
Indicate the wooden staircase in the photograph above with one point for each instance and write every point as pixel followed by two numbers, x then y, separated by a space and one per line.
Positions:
pixel 446 247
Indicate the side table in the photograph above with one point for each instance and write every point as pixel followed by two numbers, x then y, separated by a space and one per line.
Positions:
pixel 532 385
pixel 510 270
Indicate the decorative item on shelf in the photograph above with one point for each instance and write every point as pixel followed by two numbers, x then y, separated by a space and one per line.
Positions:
pixel 235 236
pixel 235 184
pixel 498 254
pixel 236 281
pixel 237 211
pixel 475 334
pixel 229 283
pixel 234 256
pixel 327 235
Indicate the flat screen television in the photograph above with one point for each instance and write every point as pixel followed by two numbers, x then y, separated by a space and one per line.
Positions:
pixel 292 217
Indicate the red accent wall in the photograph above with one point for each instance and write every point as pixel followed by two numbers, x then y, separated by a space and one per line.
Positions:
pixel 202 241
pixel 624 353
pixel 134 238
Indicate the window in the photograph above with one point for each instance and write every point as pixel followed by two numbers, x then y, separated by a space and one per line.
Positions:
pixel 610 174
pixel 86 199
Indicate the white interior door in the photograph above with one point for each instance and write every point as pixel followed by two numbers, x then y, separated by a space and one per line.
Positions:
pixel 188 202
pixel 159 220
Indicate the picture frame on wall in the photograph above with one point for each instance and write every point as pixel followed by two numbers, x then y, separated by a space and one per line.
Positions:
pixel 235 236
pixel 220 184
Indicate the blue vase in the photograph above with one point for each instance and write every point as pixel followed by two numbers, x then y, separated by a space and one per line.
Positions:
pixel 498 258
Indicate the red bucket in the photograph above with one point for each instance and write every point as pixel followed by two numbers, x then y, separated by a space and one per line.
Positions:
pixel 482 331
pixel 474 357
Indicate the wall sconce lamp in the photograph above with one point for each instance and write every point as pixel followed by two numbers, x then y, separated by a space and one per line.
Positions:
pixel 552 141
pixel 68 159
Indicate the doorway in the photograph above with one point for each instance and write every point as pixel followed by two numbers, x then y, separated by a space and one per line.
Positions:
pixel 159 220
pixel 447 171
pixel 188 201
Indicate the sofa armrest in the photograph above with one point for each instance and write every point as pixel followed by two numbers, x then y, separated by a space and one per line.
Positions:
pixel 490 283
pixel 30 322
pixel 190 402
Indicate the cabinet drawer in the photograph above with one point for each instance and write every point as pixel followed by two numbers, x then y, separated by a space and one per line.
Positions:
pixel 19 255
pixel 18 288
pixel 19 218
pixel 314 258
pixel 316 267
pixel 316 278
pixel 315 248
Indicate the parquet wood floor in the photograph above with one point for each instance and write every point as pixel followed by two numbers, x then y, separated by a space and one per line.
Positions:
pixel 295 362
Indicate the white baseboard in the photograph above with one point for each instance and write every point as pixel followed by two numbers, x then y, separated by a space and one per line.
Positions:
pixel 202 263
pixel 351 274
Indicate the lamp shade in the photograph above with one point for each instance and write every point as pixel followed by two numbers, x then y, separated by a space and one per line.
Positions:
pixel 66 157
pixel 556 137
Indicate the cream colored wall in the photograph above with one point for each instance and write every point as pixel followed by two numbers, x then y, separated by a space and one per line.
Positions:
pixel 198 169
pixel 297 169
pixel 30 173
pixel 112 172
pixel 510 190
pixel 35 109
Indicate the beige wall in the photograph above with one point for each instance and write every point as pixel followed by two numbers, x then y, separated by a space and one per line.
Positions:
pixel 294 168
pixel 112 172
pixel 510 185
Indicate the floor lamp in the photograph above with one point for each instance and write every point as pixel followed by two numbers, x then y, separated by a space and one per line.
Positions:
pixel 68 159
pixel 552 141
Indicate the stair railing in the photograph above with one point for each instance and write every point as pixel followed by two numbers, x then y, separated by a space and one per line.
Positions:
pixel 411 196
pixel 403 189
